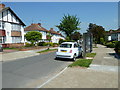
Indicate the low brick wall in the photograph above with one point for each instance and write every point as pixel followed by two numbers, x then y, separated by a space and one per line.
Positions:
pixel 13 45
pixel 16 45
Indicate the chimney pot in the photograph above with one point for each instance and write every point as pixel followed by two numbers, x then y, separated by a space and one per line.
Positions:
pixel 2 6
pixel 51 29
pixel 39 24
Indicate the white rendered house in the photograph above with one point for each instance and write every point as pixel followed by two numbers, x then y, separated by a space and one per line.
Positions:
pixel 11 28
pixel 37 27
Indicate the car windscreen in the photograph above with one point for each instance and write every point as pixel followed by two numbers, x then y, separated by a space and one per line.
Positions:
pixel 66 45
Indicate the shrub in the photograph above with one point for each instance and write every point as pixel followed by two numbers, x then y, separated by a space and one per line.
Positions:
pixel 61 41
pixel 110 45
pixel 41 43
pixel 55 44
pixel 102 41
pixel 48 43
pixel 117 47
pixel 28 45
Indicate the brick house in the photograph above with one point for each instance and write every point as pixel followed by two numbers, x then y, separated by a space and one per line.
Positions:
pixel 11 28
pixel 37 27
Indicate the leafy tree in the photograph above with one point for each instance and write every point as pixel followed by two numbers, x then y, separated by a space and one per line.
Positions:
pixel 33 36
pixel 69 24
pixel 97 31
pixel 76 36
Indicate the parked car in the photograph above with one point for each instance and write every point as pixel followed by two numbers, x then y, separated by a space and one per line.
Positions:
pixel 1 48
pixel 69 50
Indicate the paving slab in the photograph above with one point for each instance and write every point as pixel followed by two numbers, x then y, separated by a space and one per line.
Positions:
pixel 84 78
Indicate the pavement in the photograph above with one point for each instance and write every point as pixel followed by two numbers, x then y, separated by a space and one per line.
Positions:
pixel 20 54
pixel 102 73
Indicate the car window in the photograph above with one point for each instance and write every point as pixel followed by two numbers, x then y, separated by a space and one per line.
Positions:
pixel 66 45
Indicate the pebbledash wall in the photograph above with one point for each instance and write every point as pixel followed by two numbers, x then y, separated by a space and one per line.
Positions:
pixel 11 28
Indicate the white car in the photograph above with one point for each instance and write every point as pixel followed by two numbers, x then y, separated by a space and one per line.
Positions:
pixel 69 50
pixel 1 48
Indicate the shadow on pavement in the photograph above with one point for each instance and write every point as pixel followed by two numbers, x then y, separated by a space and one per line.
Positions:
pixel 115 55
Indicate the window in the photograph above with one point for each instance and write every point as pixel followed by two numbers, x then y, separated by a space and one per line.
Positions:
pixel 2 25
pixel 16 39
pixel 16 27
pixel 66 45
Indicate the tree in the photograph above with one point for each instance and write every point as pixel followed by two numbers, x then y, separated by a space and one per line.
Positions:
pixel 33 36
pixel 97 31
pixel 69 24
pixel 49 39
pixel 76 36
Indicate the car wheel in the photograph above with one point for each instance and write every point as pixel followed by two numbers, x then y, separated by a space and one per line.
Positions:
pixel 56 58
pixel 74 58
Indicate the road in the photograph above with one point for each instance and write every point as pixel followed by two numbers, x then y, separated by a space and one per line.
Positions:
pixel 31 72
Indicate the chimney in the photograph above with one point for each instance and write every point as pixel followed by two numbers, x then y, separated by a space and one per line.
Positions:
pixel 2 6
pixel 39 24
pixel 51 29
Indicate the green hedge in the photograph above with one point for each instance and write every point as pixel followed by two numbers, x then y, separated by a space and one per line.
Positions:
pixel 111 44
pixel 28 45
pixel 117 47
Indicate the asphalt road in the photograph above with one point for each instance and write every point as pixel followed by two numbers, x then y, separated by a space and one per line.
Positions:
pixel 31 72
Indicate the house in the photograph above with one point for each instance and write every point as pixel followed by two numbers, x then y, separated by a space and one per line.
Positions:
pixel 56 36
pixel 113 35
pixel 37 27
pixel 11 28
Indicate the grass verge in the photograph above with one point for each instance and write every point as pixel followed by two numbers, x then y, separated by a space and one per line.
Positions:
pixel 81 63
pixel 90 54
pixel 47 50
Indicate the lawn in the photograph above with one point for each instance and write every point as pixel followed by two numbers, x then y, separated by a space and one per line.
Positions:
pixel 90 54
pixel 81 63
pixel 47 50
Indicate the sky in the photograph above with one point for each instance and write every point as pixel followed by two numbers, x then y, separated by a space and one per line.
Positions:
pixel 49 14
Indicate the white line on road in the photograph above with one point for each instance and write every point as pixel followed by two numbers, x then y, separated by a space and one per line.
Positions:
pixel 52 78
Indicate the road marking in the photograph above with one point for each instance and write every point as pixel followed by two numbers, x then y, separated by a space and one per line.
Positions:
pixel 52 78
pixel 107 57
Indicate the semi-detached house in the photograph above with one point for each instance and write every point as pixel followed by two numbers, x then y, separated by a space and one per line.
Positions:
pixel 37 27
pixel 11 28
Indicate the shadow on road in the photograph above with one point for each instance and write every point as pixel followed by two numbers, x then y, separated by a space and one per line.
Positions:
pixel 115 55
pixel 63 59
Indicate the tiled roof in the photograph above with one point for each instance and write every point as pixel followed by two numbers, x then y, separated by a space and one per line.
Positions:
pixel 54 32
pixel 35 27
pixel 113 31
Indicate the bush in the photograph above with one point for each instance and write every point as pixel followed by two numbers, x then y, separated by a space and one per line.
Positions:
pixel 110 45
pixel 28 45
pixel 48 43
pixel 55 44
pixel 61 41
pixel 117 47
pixel 41 43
